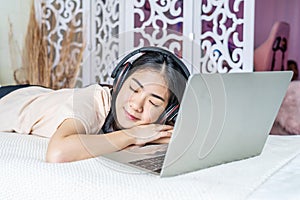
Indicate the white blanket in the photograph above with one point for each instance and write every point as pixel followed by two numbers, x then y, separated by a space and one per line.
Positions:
pixel 25 175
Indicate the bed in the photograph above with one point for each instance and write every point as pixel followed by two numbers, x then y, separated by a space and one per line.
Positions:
pixel 275 174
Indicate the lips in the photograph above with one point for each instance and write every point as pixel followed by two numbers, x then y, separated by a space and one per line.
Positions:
pixel 130 116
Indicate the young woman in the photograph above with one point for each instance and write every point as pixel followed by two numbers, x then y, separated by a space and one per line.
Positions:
pixel 89 122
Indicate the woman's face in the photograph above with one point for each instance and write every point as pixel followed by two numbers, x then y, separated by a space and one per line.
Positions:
pixel 142 99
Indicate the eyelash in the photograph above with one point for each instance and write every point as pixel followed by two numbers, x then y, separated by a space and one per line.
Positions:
pixel 153 104
pixel 131 88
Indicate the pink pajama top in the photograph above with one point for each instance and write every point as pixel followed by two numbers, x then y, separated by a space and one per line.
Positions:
pixel 40 111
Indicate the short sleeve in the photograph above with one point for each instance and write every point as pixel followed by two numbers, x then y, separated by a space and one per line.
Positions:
pixel 91 107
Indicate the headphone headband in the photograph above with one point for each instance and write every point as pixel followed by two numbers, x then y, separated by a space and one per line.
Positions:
pixel 181 66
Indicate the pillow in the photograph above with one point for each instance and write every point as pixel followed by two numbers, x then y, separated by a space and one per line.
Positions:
pixel 287 121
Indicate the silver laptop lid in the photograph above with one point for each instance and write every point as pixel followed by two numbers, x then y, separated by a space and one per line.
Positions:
pixel 224 117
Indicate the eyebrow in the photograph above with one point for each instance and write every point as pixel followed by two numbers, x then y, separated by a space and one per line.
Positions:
pixel 154 95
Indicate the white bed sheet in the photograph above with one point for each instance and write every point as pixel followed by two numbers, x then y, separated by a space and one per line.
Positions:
pixel 273 175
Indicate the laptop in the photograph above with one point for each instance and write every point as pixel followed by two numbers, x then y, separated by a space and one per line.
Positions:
pixel 222 118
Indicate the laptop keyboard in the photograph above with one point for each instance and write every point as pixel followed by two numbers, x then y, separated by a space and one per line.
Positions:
pixel 153 164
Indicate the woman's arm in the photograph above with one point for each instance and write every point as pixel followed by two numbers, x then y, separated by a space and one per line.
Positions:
pixel 70 143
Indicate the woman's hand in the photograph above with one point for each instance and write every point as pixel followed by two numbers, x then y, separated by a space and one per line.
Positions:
pixel 149 133
pixel 148 149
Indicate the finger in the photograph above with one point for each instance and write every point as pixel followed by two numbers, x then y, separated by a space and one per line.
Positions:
pixel 170 131
pixel 163 127
pixel 133 147
pixel 158 135
pixel 165 134
pixel 163 140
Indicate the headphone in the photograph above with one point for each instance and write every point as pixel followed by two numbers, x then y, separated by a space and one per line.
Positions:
pixel 120 74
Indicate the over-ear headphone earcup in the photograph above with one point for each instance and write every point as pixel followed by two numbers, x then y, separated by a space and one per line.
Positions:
pixel 169 115
pixel 121 76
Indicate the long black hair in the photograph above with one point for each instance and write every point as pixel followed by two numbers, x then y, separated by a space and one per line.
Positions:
pixel 157 62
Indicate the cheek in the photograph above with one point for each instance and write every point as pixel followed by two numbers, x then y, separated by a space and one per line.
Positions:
pixel 151 114
pixel 122 99
pixel 119 104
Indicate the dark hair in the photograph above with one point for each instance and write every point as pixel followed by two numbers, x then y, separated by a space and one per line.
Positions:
pixel 157 62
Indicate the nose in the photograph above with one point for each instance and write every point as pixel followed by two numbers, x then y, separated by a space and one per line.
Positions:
pixel 136 103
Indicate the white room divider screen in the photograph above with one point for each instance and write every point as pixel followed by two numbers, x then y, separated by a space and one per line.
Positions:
pixel 209 35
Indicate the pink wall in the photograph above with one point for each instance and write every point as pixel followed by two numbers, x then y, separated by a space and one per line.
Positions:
pixel 269 11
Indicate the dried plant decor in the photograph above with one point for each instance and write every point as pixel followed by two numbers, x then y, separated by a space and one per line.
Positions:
pixel 37 55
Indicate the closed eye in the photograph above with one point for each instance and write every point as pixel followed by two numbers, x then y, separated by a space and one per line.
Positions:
pixel 132 89
pixel 154 104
